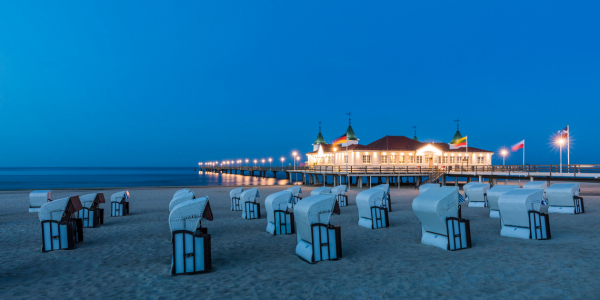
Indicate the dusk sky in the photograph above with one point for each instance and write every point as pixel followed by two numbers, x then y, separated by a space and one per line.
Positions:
pixel 172 83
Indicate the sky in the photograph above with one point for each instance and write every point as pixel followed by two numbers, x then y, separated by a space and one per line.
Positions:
pixel 174 83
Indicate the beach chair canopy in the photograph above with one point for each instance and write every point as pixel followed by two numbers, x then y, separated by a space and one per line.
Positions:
pixel 514 206
pixel 180 199
pixel 561 194
pixel 39 198
pixel 321 190
pixel 494 194
pixel 434 206
pixel 182 191
pixel 119 196
pixel 385 187
pixel 536 185
pixel 477 192
pixel 89 200
pixel 236 192
pixel 427 186
pixel 339 190
pixel 248 196
pixel 187 215
pixel 296 190
pixel 56 209
pixel 277 201
pixel 469 184
pixel 313 210
pixel 366 199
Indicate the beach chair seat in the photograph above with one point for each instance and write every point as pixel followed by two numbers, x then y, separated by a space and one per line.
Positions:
pixel 387 201
pixel 426 186
pixel 180 198
pixel 340 194
pixel 441 226
pixel 494 194
pixel 477 195
pixel 296 191
pixel 60 227
pixel 564 198
pixel 250 208
pixel 371 212
pixel 520 215
pixel 317 239
pixel 118 204
pixel 39 198
pixel 321 190
pixel 191 242
pixel 280 220
pixel 234 195
pixel 91 214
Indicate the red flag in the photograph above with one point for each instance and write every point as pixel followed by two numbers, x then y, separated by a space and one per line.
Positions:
pixel 517 146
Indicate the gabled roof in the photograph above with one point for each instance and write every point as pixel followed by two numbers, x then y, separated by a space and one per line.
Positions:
pixel 396 143
pixel 320 139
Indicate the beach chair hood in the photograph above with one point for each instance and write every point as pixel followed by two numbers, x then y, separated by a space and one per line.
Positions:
pixel 476 192
pixel 320 190
pixel 90 200
pixel 248 196
pixel 56 209
pixel 514 206
pixel 366 199
pixel 427 186
pixel 187 215
pixel 180 198
pixel 339 190
pixel 119 196
pixel 296 190
pixel 313 210
pixel 277 201
pixel 434 206
pixel 236 193
pixel 494 194
pixel 385 187
pixel 561 194
pixel 39 198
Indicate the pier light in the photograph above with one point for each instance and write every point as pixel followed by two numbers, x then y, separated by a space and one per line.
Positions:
pixel 294 154
pixel 503 153
pixel 410 154
pixel 366 153
pixel 393 153
pixel 384 153
pixel 334 149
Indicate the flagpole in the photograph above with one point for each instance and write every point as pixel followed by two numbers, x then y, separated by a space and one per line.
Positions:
pixel 568 145
pixel 523 152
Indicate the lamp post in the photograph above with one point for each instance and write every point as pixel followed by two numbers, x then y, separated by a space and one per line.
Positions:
pixel 247 161
pixel 255 162
pixel 282 159
pixel 560 142
pixel 263 162
pixel 294 155
pixel 270 160
pixel 503 153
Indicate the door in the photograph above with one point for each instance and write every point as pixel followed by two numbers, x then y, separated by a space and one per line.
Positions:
pixel 430 162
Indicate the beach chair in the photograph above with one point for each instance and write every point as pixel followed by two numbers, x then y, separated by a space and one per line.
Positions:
pixel 441 225
pixel 91 214
pixel 234 195
pixel 494 194
pixel 543 185
pixel 520 215
pixel 191 242
pixel 250 208
pixel 317 238
pixel 180 198
pixel 279 219
pixel 477 194
pixel 182 191
pixel 60 227
pixel 118 204
pixel 387 201
pixel 564 198
pixel 371 212
pixel 340 194
pixel 321 190
pixel 296 191
pixel 426 186
pixel 38 198
pixel 466 187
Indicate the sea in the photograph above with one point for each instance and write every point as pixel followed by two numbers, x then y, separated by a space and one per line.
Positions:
pixel 69 178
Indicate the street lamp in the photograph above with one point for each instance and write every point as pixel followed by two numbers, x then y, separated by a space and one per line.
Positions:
pixel 560 141
pixel 263 162
pixel 503 153
pixel 294 159
pixel 247 161
pixel 270 160
pixel 255 162
pixel 282 159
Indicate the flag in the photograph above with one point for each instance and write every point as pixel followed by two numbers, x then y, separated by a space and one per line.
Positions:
pixel 460 198
pixel 342 139
pixel 564 133
pixel 462 142
pixel 517 146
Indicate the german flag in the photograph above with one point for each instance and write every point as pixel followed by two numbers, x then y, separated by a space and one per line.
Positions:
pixel 342 139
pixel 459 143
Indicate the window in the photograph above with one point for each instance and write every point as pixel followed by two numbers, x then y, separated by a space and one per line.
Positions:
pixel 444 160
pixel 400 159
pixel 419 159
pixel 452 160
pixel 392 159
pixel 411 159
pixel 345 159
pixel 481 160
pixel 384 159
pixel 437 160
pixel 366 159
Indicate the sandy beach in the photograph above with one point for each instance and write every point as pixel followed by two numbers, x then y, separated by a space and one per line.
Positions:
pixel 129 257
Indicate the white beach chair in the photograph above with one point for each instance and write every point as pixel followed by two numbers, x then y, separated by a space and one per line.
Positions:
pixel 466 187
pixel 296 191
pixel 520 215
pixel 182 191
pixel 477 194
pixel 387 201
pixel 564 198
pixel 60 228
pixel 279 219
pixel 38 198
pixel 91 214
pixel 317 239
pixel 180 198
pixel 340 194
pixel 424 187
pixel 494 194
pixel 118 204
pixel 371 213
pixel 250 208
pixel 234 195
pixel 437 209
pixel 537 185
pixel 321 190
pixel 191 242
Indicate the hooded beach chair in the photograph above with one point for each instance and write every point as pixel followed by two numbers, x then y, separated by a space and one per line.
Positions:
pixel 466 187
pixel 424 187
pixel 371 212
pixel 60 228
pixel 280 220
pixel 250 208
pixel 520 215
pixel 441 226
pixel 180 198
pixel 564 198
pixel 340 194
pixel 543 185
pixel 91 214
pixel 191 242
pixel 321 190
pixel 387 201
pixel 182 191
pixel 494 194
pixel 317 238
pixel 296 191
pixel 234 195
pixel 118 204
pixel 477 194
pixel 38 198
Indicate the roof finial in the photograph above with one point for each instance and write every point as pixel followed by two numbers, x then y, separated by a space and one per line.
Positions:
pixel 349 119
pixel 457 120
pixel 319 126
pixel 415 128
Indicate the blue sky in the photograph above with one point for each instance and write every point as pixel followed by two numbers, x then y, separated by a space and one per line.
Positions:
pixel 147 83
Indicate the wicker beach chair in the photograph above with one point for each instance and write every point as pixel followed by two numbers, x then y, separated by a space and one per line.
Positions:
pixel 91 214
pixel 250 208
pixel 520 215
pixel 321 190
pixel 441 226
pixel 296 191
pixel 387 201
pixel 118 204
pixel 424 187
pixel 371 212
pixel 182 191
pixel 466 187
pixel 564 198
pixel 340 194
pixel 234 195
pixel 317 238
pixel 38 198
pixel 280 220
pixel 60 228
pixel 494 194
pixel 180 198
pixel 477 194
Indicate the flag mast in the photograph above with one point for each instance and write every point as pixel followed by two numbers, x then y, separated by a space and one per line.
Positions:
pixel 523 152
pixel 568 145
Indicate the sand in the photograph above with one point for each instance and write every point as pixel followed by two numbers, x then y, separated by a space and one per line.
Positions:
pixel 129 257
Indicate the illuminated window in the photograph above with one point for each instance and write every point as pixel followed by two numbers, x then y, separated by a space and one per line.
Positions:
pixel 400 159
pixel 392 159
pixel 481 160
pixel 419 159
pixel 384 159
pixel 345 159
pixel 366 159
pixel 445 160
pixel 411 159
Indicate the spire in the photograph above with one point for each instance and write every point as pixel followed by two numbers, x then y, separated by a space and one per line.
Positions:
pixel 350 136
pixel 457 135
pixel 415 138
pixel 320 139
